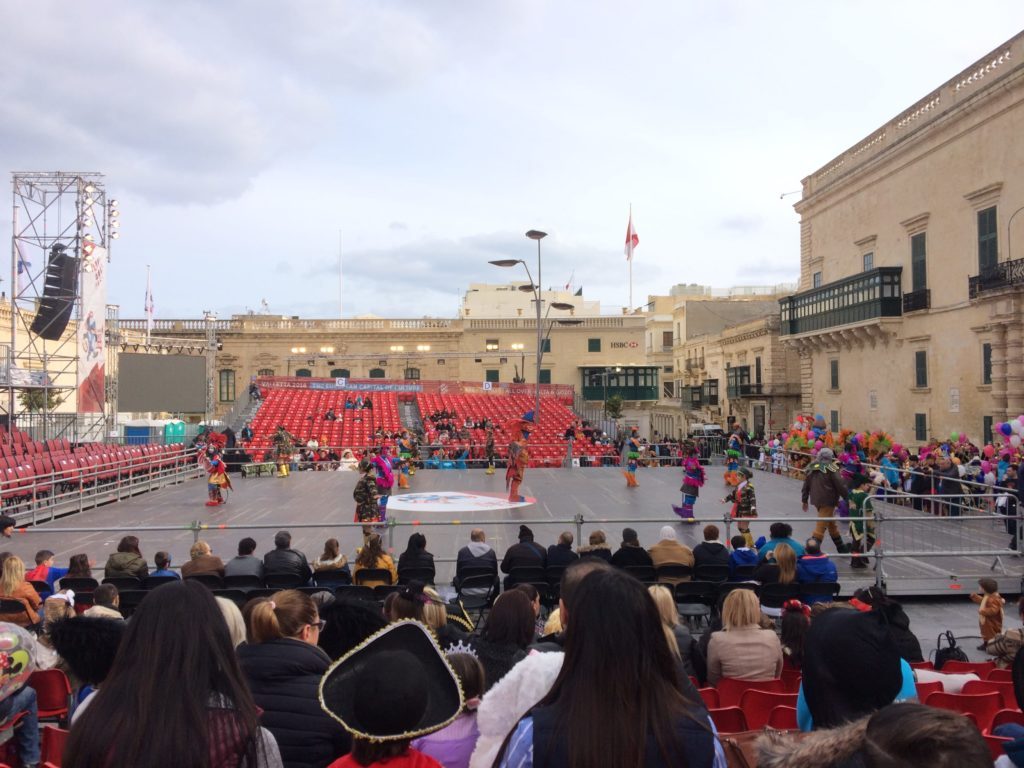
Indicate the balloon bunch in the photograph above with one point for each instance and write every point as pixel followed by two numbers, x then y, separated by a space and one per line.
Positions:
pixel 1012 430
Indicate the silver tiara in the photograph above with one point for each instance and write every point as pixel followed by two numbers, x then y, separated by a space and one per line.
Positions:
pixel 461 647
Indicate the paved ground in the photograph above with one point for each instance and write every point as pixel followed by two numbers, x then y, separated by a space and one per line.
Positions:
pixel 318 505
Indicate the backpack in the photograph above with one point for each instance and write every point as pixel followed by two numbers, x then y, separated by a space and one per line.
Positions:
pixel 950 653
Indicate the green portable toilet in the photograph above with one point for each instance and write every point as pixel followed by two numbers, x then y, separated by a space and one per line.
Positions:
pixel 174 432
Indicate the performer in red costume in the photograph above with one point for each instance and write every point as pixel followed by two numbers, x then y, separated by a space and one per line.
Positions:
pixel 518 457
pixel 217 480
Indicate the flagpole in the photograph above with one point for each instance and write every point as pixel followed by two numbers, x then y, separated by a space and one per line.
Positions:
pixel 149 307
pixel 631 257
pixel 341 282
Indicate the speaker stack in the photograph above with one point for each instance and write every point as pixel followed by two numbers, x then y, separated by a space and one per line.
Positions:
pixel 60 287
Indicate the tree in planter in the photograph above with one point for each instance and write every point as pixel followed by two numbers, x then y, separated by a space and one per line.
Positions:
pixel 32 399
pixel 613 407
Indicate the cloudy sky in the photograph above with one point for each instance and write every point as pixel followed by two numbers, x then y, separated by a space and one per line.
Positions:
pixel 242 136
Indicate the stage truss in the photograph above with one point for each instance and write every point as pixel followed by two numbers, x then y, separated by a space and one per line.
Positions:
pixel 50 208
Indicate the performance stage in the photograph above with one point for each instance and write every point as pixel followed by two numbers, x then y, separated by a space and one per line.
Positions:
pixel 323 501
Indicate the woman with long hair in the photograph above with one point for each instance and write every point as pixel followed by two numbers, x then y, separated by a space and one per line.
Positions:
pixel 796 620
pixel 14 587
pixel 609 665
pixel 332 559
pixel 79 567
pixel 677 635
pixel 506 635
pixel 372 555
pixel 127 561
pixel 416 556
pixel 742 650
pixel 424 604
pixel 779 567
pixel 283 666
pixel 175 694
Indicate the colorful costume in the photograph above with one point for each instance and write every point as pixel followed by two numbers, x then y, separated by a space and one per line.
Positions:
pixel 632 460
pixel 862 527
pixel 365 496
pixel 732 467
pixel 518 457
pixel 693 479
pixel 217 472
pixel 489 451
pixel 385 480
pixel 744 504
pixel 284 445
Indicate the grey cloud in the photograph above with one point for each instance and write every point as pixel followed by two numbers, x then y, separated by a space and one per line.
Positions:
pixel 741 224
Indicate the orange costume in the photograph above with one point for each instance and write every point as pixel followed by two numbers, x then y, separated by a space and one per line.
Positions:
pixel 518 457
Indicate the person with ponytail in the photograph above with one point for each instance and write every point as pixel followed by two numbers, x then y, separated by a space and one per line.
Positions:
pixel 283 666
pixel 372 555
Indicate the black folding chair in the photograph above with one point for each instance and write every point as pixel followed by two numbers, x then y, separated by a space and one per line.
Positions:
pixel 774 595
pixel 742 572
pixel 644 573
pixel 829 589
pixel 694 600
pixel 129 600
pixel 477 593
pixel 524 574
pixel 332 578
pixel 40 586
pixel 711 572
pixel 14 607
pixel 211 580
pixel 381 591
pixel 283 581
pixel 152 582
pixel 243 583
pixel 674 572
pixel 353 592
pixel 418 573
pixel 373 574
pixel 236 596
pixel 124 583
pixel 78 583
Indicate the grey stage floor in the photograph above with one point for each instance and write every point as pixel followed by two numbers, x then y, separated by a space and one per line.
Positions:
pixel 321 502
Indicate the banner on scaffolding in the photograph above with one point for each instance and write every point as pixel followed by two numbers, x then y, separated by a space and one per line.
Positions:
pixel 92 326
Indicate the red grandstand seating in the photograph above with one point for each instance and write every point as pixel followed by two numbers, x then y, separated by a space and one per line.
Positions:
pixel 1000 675
pixel 757 705
pixel 730 691
pixel 729 719
pixel 980 668
pixel 924 690
pixel 783 718
pixel 982 706
pixel 1004 716
pixel 709 696
pixel 986 686
pixel 995 745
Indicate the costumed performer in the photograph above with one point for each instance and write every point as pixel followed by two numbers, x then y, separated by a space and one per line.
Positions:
pixel 693 479
pixel 365 496
pixel 518 457
pixel 385 478
pixel 862 520
pixel 217 480
pixel 744 504
pixel 632 459
pixel 284 445
pixel 408 450
pixel 489 451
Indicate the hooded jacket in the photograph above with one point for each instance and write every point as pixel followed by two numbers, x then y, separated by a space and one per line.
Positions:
pixel 126 564
pixel 710 553
pixel 832 748
pixel 284 676
pixel 602 551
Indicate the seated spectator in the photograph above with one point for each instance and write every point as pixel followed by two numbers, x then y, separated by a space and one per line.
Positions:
pixel 874 599
pixel 127 561
pixel 56 608
pixel 453 745
pixel 630 553
pixel 177 634
pixel 347 624
pixel 525 553
pixel 477 554
pixel 162 560
pixel 834 688
pixel 203 561
pixel 742 556
pixel 284 666
pixel 677 634
pixel 710 551
pixel 506 635
pixel 396 687
pixel 815 567
pixel 79 567
pixel 422 603
pixel 597 546
pixel 105 601
pixel 561 555
pixel 245 563
pixel 283 560
pixel 742 650
pixel 7 525
pixel 233 618
pixel 534 594
pixel 332 559
pixel 779 567
pixel 373 556
pixel 553 636
pixel 46 571
pixel 781 533
pixel 631 656
pixel 668 551
pixel 796 620
pixel 19 650
pixel 14 587
pixel 416 556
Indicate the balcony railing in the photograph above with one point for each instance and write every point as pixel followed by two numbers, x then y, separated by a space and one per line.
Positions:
pixel 916 300
pixel 745 390
pixel 709 392
pixel 695 364
pixel 864 296
pixel 1006 274
pixel 689 397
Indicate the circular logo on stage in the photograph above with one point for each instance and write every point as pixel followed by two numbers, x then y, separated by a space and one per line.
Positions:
pixel 453 501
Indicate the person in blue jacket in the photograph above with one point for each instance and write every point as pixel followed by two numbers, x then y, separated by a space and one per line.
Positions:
pixel 814 567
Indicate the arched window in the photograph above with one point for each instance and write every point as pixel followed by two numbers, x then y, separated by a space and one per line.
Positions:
pixel 340 373
pixel 303 372
pixel 412 373
pixel 376 373
pixel 265 372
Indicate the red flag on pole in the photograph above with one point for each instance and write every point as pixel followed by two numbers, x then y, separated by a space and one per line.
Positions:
pixel 632 238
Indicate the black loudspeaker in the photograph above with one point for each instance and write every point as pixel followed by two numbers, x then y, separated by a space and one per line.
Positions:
pixel 59 291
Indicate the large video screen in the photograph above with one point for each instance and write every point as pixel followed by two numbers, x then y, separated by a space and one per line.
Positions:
pixel 175 383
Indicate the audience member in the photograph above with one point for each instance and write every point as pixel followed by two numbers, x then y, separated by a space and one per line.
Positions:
pixel 245 563
pixel 177 641
pixel 7 525
pixel 162 560
pixel 46 571
pixel 815 567
pixel 526 553
pixel 534 595
pixel 553 636
pixel 87 647
pixel 14 587
pixel 105 602
pixel 284 666
pixel 597 546
pixel 127 561
pixel 17 668
pixel 668 551
pixel 56 608
pixel 332 558
pixel 476 555
pixel 678 636
pixel 347 624
pixel 453 745
pixel 372 556
pixel 79 567
pixel 423 604
pixel 796 620
pixel 561 555
pixel 233 619
pixel 742 557
pixel 416 556
pixel 202 561
pixel 742 650
pixel 779 567
pixel 710 551
pixel 506 635
pixel 630 553
pixel 1014 757
pixel 781 533
pixel 630 657
pixel 282 560
pixel 873 598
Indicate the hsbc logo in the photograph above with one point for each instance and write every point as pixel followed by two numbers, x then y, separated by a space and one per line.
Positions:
pixel 624 344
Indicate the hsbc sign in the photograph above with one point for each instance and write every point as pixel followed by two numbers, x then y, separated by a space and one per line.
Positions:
pixel 624 344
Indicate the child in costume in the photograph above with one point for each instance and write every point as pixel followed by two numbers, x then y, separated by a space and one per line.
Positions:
pixel 990 610
pixel 632 461
pixel 385 479
pixel 744 504
pixel 284 445
pixel 732 467
pixel 365 497
pixel 217 477
pixel 518 457
pixel 862 520
pixel 693 480
pixel 489 451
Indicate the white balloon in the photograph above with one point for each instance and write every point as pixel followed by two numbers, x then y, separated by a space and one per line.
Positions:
pixel 1016 427
pixel 1015 441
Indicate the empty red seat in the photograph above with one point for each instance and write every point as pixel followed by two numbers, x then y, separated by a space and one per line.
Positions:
pixel 983 706
pixel 758 705
pixel 985 686
pixel 729 720
pixel 730 691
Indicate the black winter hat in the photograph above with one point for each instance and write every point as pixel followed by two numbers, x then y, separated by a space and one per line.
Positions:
pixel 88 644
pixel 525 533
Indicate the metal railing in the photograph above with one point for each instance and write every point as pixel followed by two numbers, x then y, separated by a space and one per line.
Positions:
pixel 1005 274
